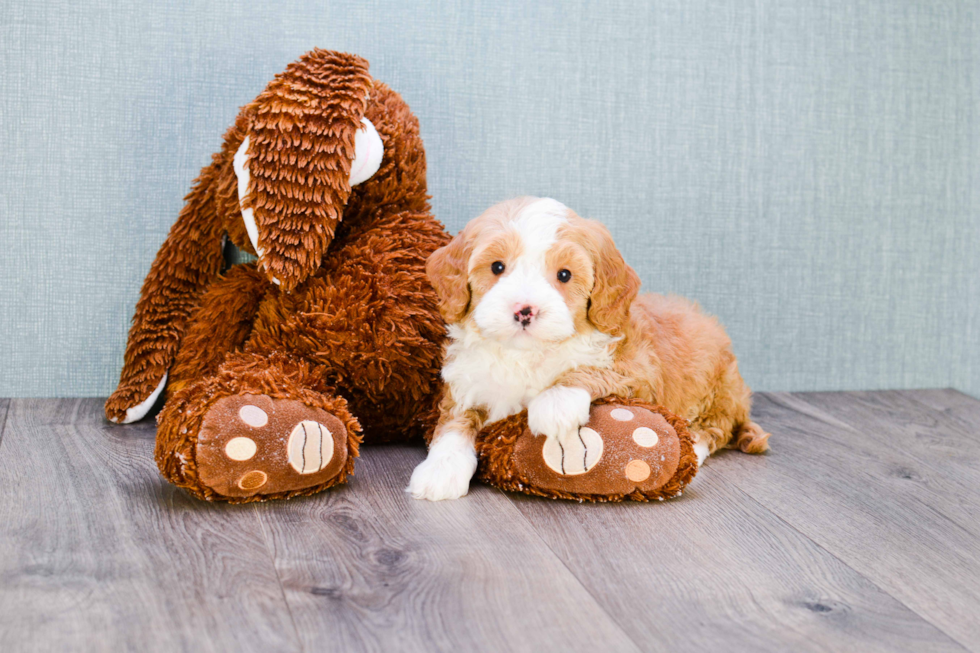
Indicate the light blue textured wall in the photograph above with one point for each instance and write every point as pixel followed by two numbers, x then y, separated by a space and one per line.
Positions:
pixel 809 171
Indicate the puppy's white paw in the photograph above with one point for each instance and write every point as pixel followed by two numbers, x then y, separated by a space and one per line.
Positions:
pixel 702 452
pixel 558 412
pixel 446 471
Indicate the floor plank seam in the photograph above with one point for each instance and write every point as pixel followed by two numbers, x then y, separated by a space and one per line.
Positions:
pixel 577 578
pixel 860 574
pixel 271 550
pixel 3 420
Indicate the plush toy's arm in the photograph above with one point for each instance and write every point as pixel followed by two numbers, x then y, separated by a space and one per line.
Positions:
pixel 188 261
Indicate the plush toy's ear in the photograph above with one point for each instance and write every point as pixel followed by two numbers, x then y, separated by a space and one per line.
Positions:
pixel 447 269
pixel 307 143
pixel 616 283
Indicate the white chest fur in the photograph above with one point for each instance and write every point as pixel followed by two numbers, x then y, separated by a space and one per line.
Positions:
pixel 483 374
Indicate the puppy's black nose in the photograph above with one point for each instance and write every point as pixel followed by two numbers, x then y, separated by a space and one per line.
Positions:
pixel 524 315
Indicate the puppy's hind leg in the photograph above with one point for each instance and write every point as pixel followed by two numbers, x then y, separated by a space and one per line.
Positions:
pixel 747 436
pixel 750 438
pixel 725 419
pixel 707 439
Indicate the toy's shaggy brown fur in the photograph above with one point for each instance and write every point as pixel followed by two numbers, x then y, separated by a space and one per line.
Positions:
pixel 497 466
pixel 353 326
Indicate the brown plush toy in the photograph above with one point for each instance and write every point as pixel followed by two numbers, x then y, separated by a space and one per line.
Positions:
pixel 277 369
pixel 628 449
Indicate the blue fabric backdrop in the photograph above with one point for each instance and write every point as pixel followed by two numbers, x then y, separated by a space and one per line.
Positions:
pixel 808 171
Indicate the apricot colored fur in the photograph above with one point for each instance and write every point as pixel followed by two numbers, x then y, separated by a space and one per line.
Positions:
pixel 353 327
pixel 674 355
pixel 668 352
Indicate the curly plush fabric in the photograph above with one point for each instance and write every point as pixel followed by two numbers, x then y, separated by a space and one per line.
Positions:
pixel 337 312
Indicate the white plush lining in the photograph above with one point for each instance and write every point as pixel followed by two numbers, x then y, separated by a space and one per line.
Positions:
pixel 139 411
pixel 368 152
pixel 241 171
pixel 248 216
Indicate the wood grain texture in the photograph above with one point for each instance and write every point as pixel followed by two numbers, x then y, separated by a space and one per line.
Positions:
pixel 857 532
pixel 714 570
pixel 369 568
pixel 100 553
pixel 947 470
pixel 865 503
pixel 963 409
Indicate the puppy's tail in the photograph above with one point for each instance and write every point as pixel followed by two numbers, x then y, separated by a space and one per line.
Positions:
pixel 750 438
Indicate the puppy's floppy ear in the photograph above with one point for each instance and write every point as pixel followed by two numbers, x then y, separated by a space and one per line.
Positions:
pixel 616 284
pixel 447 269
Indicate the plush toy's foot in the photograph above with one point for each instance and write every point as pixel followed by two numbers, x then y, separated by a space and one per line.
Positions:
pixel 263 427
pixel 627 450
pixel 254 445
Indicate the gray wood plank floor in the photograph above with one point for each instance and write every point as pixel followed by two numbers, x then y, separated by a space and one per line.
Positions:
pixel 859 531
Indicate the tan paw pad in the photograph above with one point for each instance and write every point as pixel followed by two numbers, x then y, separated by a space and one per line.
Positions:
pixel 575 457
pixel 310 447
pixel 637 471
pixel 240 448
pixel 621 414
pixel 253 416
pixel 645 437
pixel 253 480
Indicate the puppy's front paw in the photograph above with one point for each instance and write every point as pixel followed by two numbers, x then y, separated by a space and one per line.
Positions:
pixel 558 412
pixel 446 471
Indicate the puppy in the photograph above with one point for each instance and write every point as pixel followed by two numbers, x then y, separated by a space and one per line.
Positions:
pixel 543 314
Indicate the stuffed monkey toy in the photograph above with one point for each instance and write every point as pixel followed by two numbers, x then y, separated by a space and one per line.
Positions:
pixel 276 370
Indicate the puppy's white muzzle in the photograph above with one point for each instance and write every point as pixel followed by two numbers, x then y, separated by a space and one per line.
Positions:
pixel 523 308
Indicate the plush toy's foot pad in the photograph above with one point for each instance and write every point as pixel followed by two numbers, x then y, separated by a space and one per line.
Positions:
pixel 621 450
pixel 253 444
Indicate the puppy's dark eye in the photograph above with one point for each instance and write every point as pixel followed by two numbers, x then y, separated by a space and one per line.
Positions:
pixel 497 267
pixel 564 276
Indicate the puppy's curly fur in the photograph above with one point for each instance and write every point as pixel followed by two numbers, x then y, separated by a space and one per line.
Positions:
pixel 545 314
